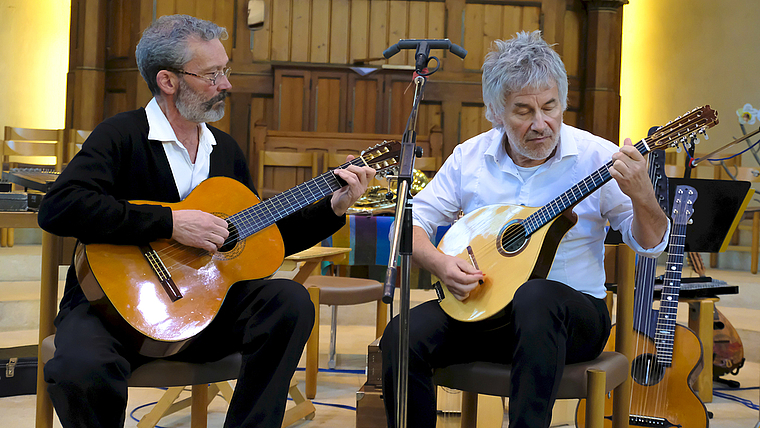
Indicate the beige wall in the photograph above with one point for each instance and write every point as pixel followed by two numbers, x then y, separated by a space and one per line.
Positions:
pixel 680 54
pixel 34 47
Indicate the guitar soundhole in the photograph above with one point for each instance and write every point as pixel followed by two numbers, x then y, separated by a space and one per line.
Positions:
pixel 512 238
pixel 647 370
pixel 232 239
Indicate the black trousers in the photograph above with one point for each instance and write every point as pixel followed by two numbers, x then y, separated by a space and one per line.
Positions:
pixel 268 321
pixel 546 326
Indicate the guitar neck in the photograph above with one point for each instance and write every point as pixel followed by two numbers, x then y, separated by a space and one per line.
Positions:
pixel 575 194
pixel 671 287
pixel 268 212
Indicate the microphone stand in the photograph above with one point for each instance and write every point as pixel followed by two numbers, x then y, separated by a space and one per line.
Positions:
pixel 401 242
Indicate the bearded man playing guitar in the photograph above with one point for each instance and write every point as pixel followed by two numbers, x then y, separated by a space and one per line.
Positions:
pixel 160 154
pixel 528 158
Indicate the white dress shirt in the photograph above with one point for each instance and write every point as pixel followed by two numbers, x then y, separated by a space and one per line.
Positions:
pixel 479 172
pixel 187 174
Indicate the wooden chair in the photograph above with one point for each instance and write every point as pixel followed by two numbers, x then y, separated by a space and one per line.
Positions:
pixel 76 138
pixel 751 218
pixel 590 380
pixel 280 170
pixel 42 148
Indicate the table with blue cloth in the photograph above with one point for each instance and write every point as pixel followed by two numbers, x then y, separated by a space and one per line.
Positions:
pixel 368 236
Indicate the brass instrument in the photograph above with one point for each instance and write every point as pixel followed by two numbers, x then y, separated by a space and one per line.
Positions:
pixel 376 199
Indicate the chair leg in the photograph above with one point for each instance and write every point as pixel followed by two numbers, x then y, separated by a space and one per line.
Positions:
pixel 199 406
pixel 469 409
pixel 161 408
pixel 595 399
pixel 755 240
pixel 333 336
pixel 381 318
pixel 11 237
pixel 312 348
pixel 3 236
pixel 304 408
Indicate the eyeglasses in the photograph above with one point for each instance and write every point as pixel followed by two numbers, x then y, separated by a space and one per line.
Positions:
pixel 212 79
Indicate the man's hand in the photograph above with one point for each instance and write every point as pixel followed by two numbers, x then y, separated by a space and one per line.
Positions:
pixel 199 229
pixel 459 276
pixel 357 179
pixel 629 169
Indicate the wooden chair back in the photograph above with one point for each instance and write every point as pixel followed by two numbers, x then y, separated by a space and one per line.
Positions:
pixel 74 143
pixel 278 171
pixel 35 147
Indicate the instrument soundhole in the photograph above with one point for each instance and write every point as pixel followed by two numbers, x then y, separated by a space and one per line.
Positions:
pixel 232 239
pixel 647 370
pixel 512 238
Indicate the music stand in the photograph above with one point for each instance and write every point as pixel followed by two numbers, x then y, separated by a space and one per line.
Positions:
pixel 717 212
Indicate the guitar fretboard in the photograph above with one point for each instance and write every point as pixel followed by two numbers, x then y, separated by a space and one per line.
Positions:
pixel 268 212
pixel 574 195
pixel 666 322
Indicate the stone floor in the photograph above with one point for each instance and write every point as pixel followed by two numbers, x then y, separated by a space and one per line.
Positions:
pixel 336 396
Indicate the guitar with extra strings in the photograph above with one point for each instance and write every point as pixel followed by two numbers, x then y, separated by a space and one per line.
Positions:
pixel 511 244
pixel 667 356
pixel 163 293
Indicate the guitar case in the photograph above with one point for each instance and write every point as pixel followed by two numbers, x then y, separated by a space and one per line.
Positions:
pixel 728 351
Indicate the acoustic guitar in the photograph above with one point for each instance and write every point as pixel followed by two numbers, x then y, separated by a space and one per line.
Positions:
pixel 512 244
pixel 163 293
pixel 668 356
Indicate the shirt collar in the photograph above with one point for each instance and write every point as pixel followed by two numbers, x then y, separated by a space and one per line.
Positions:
pixel 566 147
pixel 159 128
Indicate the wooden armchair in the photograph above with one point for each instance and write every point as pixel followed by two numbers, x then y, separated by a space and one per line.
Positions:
pixel 41 148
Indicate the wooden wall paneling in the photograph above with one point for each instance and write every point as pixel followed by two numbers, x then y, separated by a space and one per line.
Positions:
pixel 359 30
pixel 223 14
pixel 492 29
pixel 87 57
pixel 378 28
pixel 260 39
pixel 454 11
pixel 436 20
pixel 291 93
pixel 187 7
pixel 553 22
pixel 238 113
pixel 224 122
pixel 398 27
pixel 452 112
pixel 364 103
pixel 300 35
pixel 399 101
pixel 601 99
pixel 165 7
pixel 418 29
pixel 473 36
pixel 340 31
pixel 429 117
pixel 320 31
pixel 280 31
pixel 473 121
pixel 328 108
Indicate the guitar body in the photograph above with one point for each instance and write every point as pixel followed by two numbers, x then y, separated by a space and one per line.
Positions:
pixel 667 398
pixel 505 270
pixel 119 281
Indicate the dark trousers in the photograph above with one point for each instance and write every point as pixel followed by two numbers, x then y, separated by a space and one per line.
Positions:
pixel 268 321
pixel 546 326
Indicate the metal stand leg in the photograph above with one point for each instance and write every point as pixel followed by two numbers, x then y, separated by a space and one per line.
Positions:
pixel 333 335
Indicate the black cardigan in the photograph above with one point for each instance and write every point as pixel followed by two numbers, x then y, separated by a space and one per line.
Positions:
pixel 118 163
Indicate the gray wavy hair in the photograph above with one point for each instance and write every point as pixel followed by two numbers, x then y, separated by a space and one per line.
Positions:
pixel 163 45
pixel 525 60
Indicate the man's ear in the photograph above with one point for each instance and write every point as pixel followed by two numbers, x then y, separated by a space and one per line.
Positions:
pixel 167 82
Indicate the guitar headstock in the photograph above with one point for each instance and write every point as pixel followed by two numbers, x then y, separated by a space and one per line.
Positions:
pixel 384 157
pixel 683 128
pixel 683 204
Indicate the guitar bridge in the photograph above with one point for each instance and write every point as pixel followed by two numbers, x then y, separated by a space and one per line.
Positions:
pixel 650 422
pixel 163 275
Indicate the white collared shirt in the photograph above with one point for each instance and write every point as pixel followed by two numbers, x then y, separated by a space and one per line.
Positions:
pixel 479 172
pixel 187 174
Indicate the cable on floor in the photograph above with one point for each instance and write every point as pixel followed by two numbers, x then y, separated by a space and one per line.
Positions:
pixel 718 392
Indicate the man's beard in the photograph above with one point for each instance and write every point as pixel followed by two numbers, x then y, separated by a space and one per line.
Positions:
pixel 533 152
pixel 194 108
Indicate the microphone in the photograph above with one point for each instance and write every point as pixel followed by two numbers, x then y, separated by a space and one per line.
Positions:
pixel 423 47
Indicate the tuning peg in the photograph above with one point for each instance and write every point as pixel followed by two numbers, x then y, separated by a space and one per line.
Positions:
pixel 678 149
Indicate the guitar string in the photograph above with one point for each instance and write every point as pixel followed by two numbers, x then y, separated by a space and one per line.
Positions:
pixel 573 195
pixel 264 214
pixel 645 274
